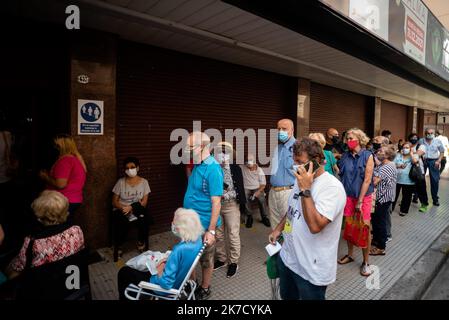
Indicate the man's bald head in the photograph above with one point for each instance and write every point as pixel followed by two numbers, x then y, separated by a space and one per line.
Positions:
pixel 286 125
pixel 198 138
pixel 331 133
pixel 198 144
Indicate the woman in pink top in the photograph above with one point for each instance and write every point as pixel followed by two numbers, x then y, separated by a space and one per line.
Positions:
pixel 68 174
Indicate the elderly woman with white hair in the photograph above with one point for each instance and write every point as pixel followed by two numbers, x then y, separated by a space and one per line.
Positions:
pixel 57 239
pixel 187 227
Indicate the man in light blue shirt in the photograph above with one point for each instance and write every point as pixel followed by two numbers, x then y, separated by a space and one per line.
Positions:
pixel 282 178
pixel 432 160
pixel 203 195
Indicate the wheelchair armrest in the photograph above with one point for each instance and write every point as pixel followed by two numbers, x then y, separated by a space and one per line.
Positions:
pixel 156 287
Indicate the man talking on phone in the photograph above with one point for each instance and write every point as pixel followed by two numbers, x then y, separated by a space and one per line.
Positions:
pixel 307 262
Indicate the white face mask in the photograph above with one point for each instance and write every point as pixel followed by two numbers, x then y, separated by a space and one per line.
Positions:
pixel 223 157
pixel 406 151
pixel 131 172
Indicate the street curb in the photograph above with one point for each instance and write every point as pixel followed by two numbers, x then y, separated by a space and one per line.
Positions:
pixel 414 283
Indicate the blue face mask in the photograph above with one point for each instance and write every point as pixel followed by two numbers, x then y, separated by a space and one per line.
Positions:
pixel 283 136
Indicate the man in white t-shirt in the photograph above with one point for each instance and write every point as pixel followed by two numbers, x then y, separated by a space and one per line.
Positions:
pixel 307 262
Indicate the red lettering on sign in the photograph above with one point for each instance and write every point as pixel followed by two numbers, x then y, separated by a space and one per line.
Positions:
pixel 415 34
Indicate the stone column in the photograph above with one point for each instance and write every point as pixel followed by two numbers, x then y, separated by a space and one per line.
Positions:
pixel 93 54
pixel 377 114
pixel 420 122
pixel 303 108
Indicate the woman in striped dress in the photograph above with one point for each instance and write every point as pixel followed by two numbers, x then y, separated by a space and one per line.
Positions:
pixel 385 180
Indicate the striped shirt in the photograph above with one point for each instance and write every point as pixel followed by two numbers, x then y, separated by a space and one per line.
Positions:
pixel 386 189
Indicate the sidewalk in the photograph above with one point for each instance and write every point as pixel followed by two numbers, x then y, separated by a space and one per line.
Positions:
pixel 412 236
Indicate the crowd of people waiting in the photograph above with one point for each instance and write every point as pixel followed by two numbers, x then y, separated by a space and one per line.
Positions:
pixel 315 181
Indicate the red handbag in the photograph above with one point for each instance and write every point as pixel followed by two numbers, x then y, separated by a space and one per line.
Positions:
pixel 356 231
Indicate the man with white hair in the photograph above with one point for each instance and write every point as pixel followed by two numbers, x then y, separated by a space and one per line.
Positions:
pixel 432 160
pixel 282 179
pixel 204 192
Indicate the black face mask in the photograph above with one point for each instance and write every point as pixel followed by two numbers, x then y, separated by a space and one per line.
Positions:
pixel 335 140
pixel 376 146
pixel 413 141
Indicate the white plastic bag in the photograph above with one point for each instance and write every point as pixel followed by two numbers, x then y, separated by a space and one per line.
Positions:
pixel 147 261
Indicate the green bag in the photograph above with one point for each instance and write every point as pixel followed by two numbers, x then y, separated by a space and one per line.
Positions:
pixel 272 268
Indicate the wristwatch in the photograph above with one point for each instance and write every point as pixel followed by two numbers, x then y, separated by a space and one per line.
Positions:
pixel 305 194
pixel 212 232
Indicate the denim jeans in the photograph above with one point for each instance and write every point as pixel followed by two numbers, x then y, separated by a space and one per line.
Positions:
pixel 434 174
pixel 294 287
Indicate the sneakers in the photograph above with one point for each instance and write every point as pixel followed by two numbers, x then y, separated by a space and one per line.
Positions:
pixel 436 203
pixel 365 270
pixel 232 270
pixel 249 222
pixel 202 293
pixel 415 200
pixel 424 208
pixel 389 239
pixel 218 264
pixel 266 221
pixel 402 214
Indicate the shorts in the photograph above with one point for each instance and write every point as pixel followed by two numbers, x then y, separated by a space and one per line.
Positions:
pixel 366 206
pixel 208 256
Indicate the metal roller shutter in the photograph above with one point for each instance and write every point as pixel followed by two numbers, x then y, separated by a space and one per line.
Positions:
pixel 393 117
pixel 339 109
pixel 160 90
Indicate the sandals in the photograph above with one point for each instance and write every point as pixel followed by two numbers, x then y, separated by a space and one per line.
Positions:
pixel 376 252
pixel 346 259
pixel 365 270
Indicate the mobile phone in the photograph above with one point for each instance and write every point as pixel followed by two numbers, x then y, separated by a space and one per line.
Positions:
pixel 316 165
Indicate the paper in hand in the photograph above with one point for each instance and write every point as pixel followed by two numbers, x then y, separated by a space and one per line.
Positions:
pixel 272 249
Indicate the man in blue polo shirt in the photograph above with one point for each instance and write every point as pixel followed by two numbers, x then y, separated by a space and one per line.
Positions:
pixel 282 178
pixel 432 160
pixel 203 195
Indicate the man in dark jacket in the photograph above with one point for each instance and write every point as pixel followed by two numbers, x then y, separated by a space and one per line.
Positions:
pixel 233 202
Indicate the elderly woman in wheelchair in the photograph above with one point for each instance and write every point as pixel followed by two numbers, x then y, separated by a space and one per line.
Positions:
pixel 174 273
